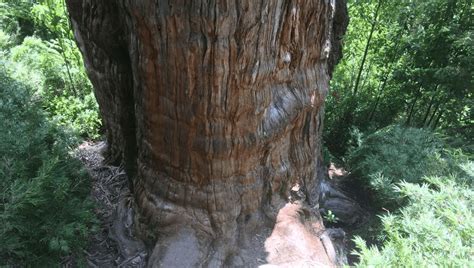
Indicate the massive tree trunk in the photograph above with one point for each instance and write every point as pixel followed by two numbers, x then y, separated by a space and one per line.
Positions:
pixel 214 107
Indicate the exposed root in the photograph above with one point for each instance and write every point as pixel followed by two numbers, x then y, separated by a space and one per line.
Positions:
pixel 115 244
pixel 296 237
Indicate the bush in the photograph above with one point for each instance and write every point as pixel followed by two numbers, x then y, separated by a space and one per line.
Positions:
pixel 45 212
pixel 79 114
pixel 37 46
pixel 395 154
pixel 64 88
pixel 435 229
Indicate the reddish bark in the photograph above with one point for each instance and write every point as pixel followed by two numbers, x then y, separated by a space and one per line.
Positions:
pixel 214 107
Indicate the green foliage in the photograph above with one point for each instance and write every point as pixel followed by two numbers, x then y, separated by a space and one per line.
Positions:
pixel 4 40
pixel 66 91
pixel 15 18
pixel 395 154
pixel 80 114
pixel 330 217
pixel 415 74
pixel 427 186
pixel 45 212
pixel 435 229
pixel 43 54
pixel 415 64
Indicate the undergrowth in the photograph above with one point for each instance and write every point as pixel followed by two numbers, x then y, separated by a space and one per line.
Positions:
pixel 45 210
pixel 37 47
pixel 65 90
pixel 435 229
pixel 423 191
pixel 396 154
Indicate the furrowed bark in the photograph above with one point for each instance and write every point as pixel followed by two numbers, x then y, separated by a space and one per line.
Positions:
pixel 214 107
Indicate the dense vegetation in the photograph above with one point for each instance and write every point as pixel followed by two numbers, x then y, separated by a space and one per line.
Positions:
pixel 396 154
pixel 422 190
pixel 45 212
pixel 46 104
pixel 405 62
pixel 37 47
pixel 400 119
pixel 435 228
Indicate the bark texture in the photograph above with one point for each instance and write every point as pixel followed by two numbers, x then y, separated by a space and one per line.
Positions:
pixel 214 107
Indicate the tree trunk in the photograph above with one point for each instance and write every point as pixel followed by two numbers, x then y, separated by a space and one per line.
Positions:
pixel 379 95
pixel 366 50
pixel 430 105
pixel 215 108
pixel 435 111
pixel 412 107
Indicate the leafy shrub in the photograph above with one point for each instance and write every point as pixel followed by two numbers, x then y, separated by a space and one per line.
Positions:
pixel 435 229
pixel 37 45
pixel 4 40
pixel 80 114
pixel 45 212
pixel 15 18
pixel 65 89
pixel 395 154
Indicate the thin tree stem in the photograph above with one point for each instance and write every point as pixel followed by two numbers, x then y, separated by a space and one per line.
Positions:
pixel 366 50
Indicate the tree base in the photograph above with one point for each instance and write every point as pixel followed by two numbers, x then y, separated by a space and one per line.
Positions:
pixel 290 234
pixel 293 240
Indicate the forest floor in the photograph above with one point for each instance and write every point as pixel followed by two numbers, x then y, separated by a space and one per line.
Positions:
pixel 109 189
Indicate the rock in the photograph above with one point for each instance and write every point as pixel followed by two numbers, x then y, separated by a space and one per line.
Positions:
pixel 346 209
pixel 333 240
